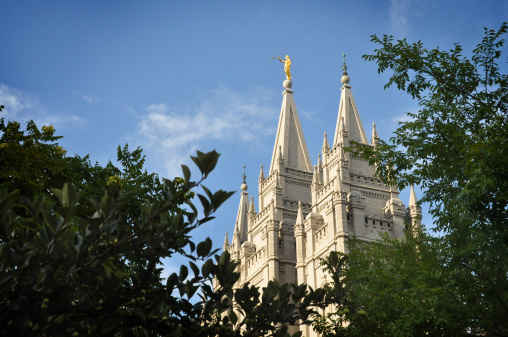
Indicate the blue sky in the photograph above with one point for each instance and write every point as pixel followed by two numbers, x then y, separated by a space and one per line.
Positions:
pixel 176 76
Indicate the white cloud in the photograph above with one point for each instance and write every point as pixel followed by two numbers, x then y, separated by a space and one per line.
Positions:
pixel 174 133
pixel 399 12
pixel 15 101
pixel 22 107
pixel 91 99
pixel 404 117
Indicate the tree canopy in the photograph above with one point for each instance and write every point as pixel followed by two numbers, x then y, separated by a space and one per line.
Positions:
pixel 85 258
pixel 456 148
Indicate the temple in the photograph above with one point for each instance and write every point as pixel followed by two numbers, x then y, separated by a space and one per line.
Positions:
pixel 305 211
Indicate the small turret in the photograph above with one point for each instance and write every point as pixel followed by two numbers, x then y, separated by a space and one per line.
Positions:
pixel 252 209
pixel 375 137
pixel 299 217
pixel 315 178
pixel 326 146
pixel 242 219
pixel 415 211
pixel 225 246
pixel 261 174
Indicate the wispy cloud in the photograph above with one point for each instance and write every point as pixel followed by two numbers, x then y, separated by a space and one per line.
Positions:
pixel 22 107
pixel 310 115
pixel 404 117
pixel 15 101
pixel 91 99
pixel 399 12
pixel 173 133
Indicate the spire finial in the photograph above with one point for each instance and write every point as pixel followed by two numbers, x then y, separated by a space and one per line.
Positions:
pixel 344 66
pixel 244 186
pixel 345 77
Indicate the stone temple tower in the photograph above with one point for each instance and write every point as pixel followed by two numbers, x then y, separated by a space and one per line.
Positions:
pixel 306 211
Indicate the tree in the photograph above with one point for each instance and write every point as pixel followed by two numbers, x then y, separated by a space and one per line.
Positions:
pixel 33 161
pixel 396 288
pixel 69 266
pixel 456 148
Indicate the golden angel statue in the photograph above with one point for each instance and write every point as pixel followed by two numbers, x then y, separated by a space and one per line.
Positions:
pixel 287 66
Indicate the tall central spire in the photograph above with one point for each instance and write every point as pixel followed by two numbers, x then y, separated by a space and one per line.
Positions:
pixel 289 138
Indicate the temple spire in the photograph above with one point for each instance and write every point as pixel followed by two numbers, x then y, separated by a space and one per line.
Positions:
pixel 241 225
pixel 415 211
pixel 326 146
pixel 289 137
pixel 299 217
pixel 374 138
pixel 252 209
pixel 261 173
pixel 348 116
pixel 225 246
pixel 412 198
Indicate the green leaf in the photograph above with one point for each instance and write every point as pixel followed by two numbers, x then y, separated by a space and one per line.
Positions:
pixel 194 268
pixel 207 267
pixel 183 273
pixel 186 173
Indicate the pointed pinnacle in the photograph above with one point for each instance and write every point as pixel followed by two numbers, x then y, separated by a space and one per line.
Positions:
pixel 373 141
pixel 226 242
pixel 326 146
pixel 252 209
pixel 261 173
pixel 412 198
pixel 299 217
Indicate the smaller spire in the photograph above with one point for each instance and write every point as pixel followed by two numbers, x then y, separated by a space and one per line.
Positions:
pixel 319 163
pixel 280 152
pixel 373 141
pixel 261 174
pixel 252 209
pixel 244 186
pixel 226 242
pixel 412 198
pixel 299 217
pixel 326 146
pixel 315 178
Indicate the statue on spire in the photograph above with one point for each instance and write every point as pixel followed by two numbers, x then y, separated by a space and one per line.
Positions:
pixel 287 66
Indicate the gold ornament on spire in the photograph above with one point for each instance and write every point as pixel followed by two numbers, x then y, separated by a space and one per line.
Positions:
pixel 287 66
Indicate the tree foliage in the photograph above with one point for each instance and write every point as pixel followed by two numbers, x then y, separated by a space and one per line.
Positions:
pixel 456 148
pixel 397 288
pixel 73 263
